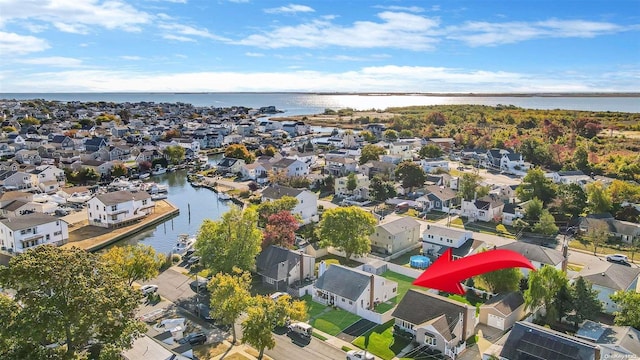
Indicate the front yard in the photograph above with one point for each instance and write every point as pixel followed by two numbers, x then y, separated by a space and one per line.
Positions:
pixel 381 342
pixel 326 319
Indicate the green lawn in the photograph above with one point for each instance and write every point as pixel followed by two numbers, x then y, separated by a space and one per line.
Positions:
pixel 404 283
pixel 386 306
pixel 334 321
pixel 313 308
pixel 381 342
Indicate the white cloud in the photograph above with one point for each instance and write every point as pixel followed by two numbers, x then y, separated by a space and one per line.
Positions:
pixel 55 61
pixel 476 33
pixel 254 54
pixel 15 44
pixel 414 9
pixel 184 31
pixel 131 57
pixel 396 30
pixel 178 38
pixel 34 28
pixel 76 16
pixel 289 9
pixel 239 1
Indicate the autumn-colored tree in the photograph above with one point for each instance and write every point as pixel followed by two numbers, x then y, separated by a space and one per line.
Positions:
pixel 144 165
pixel 281 230
pixel 172 133
pixel 268 208
pixel 405 134
pixel 134 262
pixel 239 151
pixel 598 200
pixel 371 152
pixel 347 229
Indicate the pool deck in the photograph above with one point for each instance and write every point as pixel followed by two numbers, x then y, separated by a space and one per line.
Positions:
pixel 93 238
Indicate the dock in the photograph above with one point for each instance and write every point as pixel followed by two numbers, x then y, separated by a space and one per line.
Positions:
pixel 93 238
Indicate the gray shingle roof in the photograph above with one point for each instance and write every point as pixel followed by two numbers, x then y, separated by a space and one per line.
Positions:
pixel 419 307
pixel 537 253
pixel 28 221
pixel 610 275
pixel 269 260
pixel 437 230
pixel 400 225
pixel 276 192
pixel 343 281
pixel 118 197
pixel 506 303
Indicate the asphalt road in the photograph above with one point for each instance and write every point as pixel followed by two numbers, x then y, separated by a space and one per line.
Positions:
pixel 286 349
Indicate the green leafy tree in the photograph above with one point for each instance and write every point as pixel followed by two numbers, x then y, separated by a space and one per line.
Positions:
pixel 430 151
pixel 501 281
pixel 232 241
pixel 119 170
pixel 268 208
pixel 536 185
pixel 406 134
pixel 29 121
pixel 546 225
pixel 368 136
pixel 469 187
pixel 371 152
pixel 134 262
pixel 288 309
pixel 352 182
pixel 175 153
pixel 598 200
pixel 347 229
pixel 410 174
pixel 544 285
pixel 585 302
pixel 390 135
pixel 563 302
pixel 239 151
pixel 230 297
pixel 533 210
pixel 597 234
pixel 381 190
pixel 572 199
pixel 628 313
pixel 258 324
pixel 70 296
pixel 620 191
pixel 581 159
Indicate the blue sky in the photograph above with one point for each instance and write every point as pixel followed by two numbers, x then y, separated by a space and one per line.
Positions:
pixel 343 46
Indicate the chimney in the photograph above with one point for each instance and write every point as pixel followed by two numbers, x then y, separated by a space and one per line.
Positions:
pixel 372 279
pixel 322 268
pixel 301 267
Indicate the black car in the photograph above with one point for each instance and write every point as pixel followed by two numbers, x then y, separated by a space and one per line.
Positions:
pixel 204 312
pixel 198 338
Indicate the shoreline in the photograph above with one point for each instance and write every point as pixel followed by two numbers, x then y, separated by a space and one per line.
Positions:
pixel 365 93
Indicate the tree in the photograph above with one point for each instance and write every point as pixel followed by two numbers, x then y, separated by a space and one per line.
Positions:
pixel 134 263
pixel 268 208
pixel 501 281
pixel 174 153
pixel 410 174
pixel 620 191
pixel 352 182
pixel 281 230
pixel 572 199
pixel 381 190
pixel 469 187
pixel 585 302
pixel 563 302
pixel 371 152
pixel 597 233
pixel 430 151
pixel 544 285
pixel 390 135
pixel 368 136
pixel 546 225
pixel 119 170
pixel 70 296
pixel 288 309
pixel 232 241
pixel 144 165
pixel 230 296
pixel 598 200
pixel 533 210
pixel 628 313
pixel 535 184
pixel 239 151
pixel 581 159
pixel 347 229
pixel 406 134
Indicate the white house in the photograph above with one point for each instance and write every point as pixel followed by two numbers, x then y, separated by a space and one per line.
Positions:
pixel 539 256
pixel 512 162
pixel 485 209
pixel 27 231
pixel 361 190
pixel 402 149
pixel 607 278
pixel 353 290
pixel 437 237
pixel 307 206
pixel 569 177
pixel 118 208
pixel 255 171
pixel 291 167
pixel 395 236
pixel 46 173
pixel 431 165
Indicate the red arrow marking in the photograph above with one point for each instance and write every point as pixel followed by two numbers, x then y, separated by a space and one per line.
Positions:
pixel 445 274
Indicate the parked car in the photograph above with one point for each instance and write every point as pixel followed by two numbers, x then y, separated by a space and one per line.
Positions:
pixel 204 312
pixel 302 329
pixel 198 338
pixel 359 355
pixel 149 289
pixel 618 258
pixel 193 260
pixel 61 212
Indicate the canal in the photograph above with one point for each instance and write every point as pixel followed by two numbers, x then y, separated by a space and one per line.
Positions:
pixel 195 204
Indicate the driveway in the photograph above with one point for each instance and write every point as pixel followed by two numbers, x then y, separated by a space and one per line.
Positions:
pixel 356 329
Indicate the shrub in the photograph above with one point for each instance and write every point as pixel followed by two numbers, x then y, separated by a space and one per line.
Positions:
pixel 501 229
pixel 176 258
pixel 244 194
pixel 346 348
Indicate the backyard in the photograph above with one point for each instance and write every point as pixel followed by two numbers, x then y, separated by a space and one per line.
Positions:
pixel 404 284
pixel 326 319
pixel 381 342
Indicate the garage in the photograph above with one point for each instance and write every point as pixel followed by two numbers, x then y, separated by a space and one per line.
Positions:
pixel 495 321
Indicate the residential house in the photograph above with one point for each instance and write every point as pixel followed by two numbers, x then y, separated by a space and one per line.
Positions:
pixel 624 231
pixel 281 268
pixel 493 157
pixel 31 157
pixel 435 321
pixel 569 177
pixel 395 236
pixel 95 143
pixel 376 129
pixel 32 143
pixel 402 149
pixel 119 208
pixel 256 171
pixel 307 206
pixel 437 239
pixel 616 342
pixel 512 162
pixel 296 128
pixel 28 231
pixel 503 311
pixel 362 186
pixel 6 149
pixel 528 341
pixel 113 153
pixel 511 212
pixel 290 167
pixel 340 166
pixel 148 155
pixel 433 165
pixel 230 165
pixel 17 208
pixel 507 193
pixel 438 198
pixel 101 168
pixel 539 256
pixel 17 140
pixel 15 180
pixel 607 278
pixel 353 290
pixel 486 209
pixel 374 167
pixel 446 144
pixel 62 142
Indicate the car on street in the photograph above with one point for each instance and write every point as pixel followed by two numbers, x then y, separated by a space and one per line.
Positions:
pixel 359 355
pixel 198 338
pixel 618 258
pixel 193 260
pixel 203 311
pixel 148 289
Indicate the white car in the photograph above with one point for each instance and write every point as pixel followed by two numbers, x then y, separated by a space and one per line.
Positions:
pixel 149 289
pixel 618 258
pixel 359 355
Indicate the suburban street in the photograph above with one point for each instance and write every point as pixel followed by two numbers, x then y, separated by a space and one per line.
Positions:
pixel 287 349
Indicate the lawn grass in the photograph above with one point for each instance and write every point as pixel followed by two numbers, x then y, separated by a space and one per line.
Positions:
pixel 386 306
pixel 404 284
pixel 318 336
pixel 405 258
pixel 381 342
pixel 341 260
pixel 334 321
pixel 313 308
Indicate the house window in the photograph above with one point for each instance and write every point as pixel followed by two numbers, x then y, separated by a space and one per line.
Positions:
pixel 57 233
pixel 114 207
pixel 144 202
pixel 114 217
pixel 97 207
pixel 342 299
pixel 351 302
pixel 269 281
pixel 48 237
pixel 429 339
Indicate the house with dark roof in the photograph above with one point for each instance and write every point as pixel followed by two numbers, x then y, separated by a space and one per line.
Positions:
pixel 625 231
pixel 281 268
pixel 24 232
pixel 290 167
pixel 119 208
pixel 435 321
pixel 307 206
pixel 539 256
pixel 95 143
pixel 528 341
pixel 502 311
pixel 230 165
pixel 439 198
pixel 62 142
pixel 569 177
pixel 511 212
pixel 607 278
pixel 512 161
pixel 485 209
pixel 373 167
pixel 616 342
pixel 353 290
pixel 392 237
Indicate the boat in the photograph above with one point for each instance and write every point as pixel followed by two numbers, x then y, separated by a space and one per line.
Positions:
pixel 158 171
pixel 153 188
pixel 223 196
pixel 203 158
pixel 144 176
pixel 79 198
pixel 157 197
pixel 184 244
